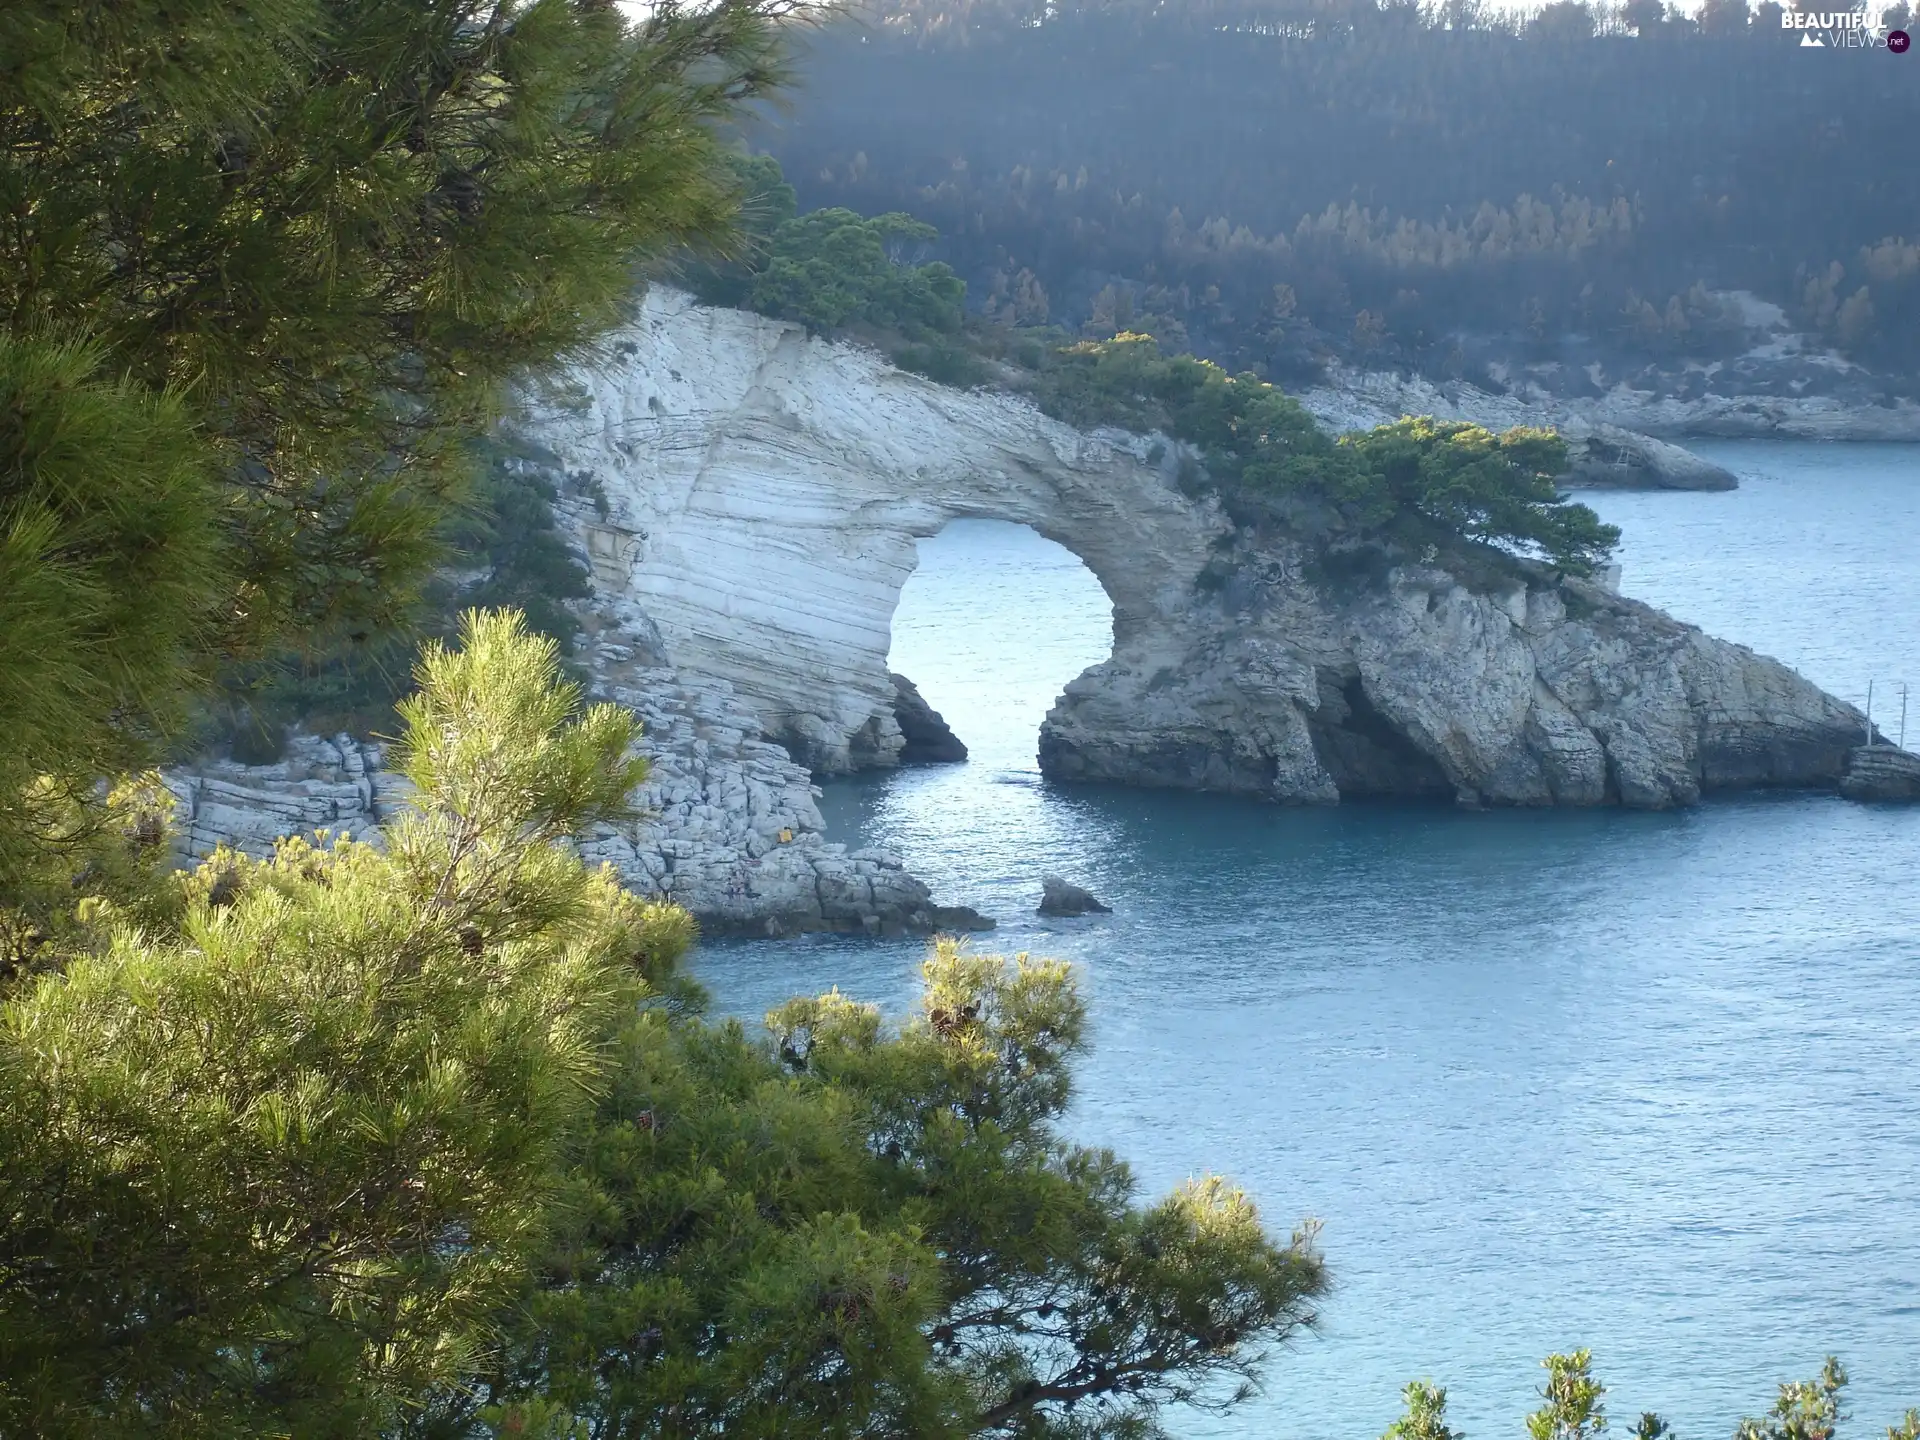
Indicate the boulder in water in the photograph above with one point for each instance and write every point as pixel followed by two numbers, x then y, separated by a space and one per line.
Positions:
pixel 1881 772
pixel 928 739
pixel 952 918
pixel 1061 897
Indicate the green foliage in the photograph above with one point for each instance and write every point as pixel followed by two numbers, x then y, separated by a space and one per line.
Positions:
pixel 1420 481
pixel 1805 1409
pixel 943 363
pixel 275 1159
pixel 833 268
pixel 102 861
pixel 504 550
pixel 847 1230
pixel 1426 1417
pixel 307 240
pixel 111 577
pixel 1494 488
pixel 509 534
pixel 1575 1407
pixel 427 1139
pixel 766 203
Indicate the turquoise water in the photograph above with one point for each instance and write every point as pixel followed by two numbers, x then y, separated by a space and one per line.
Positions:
pixel 1638 1082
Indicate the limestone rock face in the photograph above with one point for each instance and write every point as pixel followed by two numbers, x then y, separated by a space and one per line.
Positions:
pixel 1419 687
pixel 748 499
pixel 764 490
pixel 727 823
pixel 1882 773
pixel 337 785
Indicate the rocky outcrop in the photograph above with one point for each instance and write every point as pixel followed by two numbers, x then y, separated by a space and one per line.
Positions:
pixel 1601 454
pixel 1418 687
pixel 748 498
pixel 925 738
pixel 1060 897
pixel 727 824
pixel 1782 385
pixel 1882 773
pixel 338 785
pixel 764 489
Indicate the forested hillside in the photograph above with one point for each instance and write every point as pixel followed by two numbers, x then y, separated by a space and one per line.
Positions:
pixel 1271 183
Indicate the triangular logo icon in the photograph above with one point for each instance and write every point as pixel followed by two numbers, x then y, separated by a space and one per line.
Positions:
pixel 1812 40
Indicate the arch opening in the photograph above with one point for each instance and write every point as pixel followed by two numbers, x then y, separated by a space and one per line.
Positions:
pixel 989 628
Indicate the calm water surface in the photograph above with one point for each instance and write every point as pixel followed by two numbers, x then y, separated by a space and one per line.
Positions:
pixel 1639 1082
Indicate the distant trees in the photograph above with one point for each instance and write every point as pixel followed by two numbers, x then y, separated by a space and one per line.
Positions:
pixel 1525 181
pixel 1574 1408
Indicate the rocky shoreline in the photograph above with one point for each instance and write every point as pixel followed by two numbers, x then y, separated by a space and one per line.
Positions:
pixel 727 824
pixel 1621 428
pixel 1601 454
pixel 748 499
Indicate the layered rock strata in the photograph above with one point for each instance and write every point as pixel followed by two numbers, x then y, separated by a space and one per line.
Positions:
pixel 726 823
pixel 1882 773
pixel 1415 686
pixel 764 489
pixel 749 497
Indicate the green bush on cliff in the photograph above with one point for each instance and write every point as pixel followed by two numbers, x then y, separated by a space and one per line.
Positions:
pixel 829 269
pixel 833 268
pixel 1419 481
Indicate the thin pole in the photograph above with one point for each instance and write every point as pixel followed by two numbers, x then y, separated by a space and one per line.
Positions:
pixel 1903 714
pixel 1869 714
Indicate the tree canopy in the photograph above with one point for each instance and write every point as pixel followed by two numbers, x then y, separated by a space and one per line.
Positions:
pixel 830 269
pixel 429 1139
pixel 267 266
pixel 1419 481
pixel 1444 186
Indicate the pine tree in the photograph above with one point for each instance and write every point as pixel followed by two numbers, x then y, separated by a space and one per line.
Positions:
pixel 845 1229
pixel 267 267
pixel 428 1139
pixel 274 1155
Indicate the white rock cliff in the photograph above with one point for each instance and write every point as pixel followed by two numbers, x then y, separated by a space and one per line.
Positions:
pixel 749 498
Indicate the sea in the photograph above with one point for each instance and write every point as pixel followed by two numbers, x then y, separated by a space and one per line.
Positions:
pixel 1644 1083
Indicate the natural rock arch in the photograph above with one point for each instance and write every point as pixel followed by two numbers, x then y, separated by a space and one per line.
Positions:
pixel 764 492
pixel 757 496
